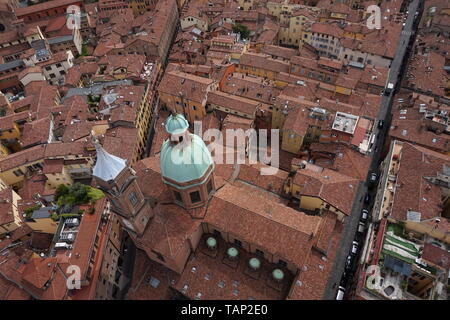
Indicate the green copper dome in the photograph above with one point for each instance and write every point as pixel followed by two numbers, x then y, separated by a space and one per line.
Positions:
pixel 186 161
pixel 176 124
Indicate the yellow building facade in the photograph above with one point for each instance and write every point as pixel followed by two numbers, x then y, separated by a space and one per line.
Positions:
pixel 9 227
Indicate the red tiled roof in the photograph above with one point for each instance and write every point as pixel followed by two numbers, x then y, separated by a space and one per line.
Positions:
pixel 345 160
pixel 331 29
pixel 285 53
pixel 36 132
pixel 84 241
pixel 262 61
pixel 38 271
pixel 169 230
pixel 413 191
pixel 44 6
pixel 281 230
pixel 336 189
pixel 118 140
pixel 233 102
pixel 22 157
pixel 53 166
pixel 436 255
pixel 193 87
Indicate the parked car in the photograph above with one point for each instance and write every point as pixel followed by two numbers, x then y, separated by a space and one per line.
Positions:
pixel 355 246
pixel 348 263
pixel 340 293
pixel 373 179
pixel 367 198
pixel 361 227
pixel 364 214
pixel 380 124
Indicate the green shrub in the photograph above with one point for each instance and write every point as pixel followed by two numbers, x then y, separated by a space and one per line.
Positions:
pixel 61 191
pixel 29 211
pixel 242 30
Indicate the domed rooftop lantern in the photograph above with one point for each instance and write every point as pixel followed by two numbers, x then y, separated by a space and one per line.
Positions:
pixel 176 124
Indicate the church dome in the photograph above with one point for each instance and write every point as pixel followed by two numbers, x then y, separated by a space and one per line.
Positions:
pixel 186 163
pixel 184 157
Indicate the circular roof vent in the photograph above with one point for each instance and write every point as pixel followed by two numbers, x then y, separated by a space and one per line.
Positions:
pixel 278 275
pixel 254 263
pixel 211 243
pixel 232 253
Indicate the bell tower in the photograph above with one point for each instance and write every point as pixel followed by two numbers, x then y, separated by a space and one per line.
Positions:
pixel 118 181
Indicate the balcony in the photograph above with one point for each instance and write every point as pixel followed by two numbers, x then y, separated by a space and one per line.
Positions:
pixel 211 274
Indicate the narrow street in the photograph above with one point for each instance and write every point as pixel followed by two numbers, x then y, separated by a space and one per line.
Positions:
pixel 351 223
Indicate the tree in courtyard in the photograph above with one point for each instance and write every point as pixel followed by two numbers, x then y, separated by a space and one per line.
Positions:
pixel 242 30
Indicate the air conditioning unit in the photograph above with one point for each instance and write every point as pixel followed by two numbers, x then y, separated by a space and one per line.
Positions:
pixel 62 245
pixel 67 237
pixel 72 222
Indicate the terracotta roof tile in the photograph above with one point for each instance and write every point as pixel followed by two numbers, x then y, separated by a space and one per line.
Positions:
pixel 259 221
pixel 262 61
pixel 337 189
pixel 413 191
pixel 233 102
pixel 193 87
pixel 436 255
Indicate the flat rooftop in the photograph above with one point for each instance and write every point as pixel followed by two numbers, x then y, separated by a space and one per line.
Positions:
pixel 345 122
